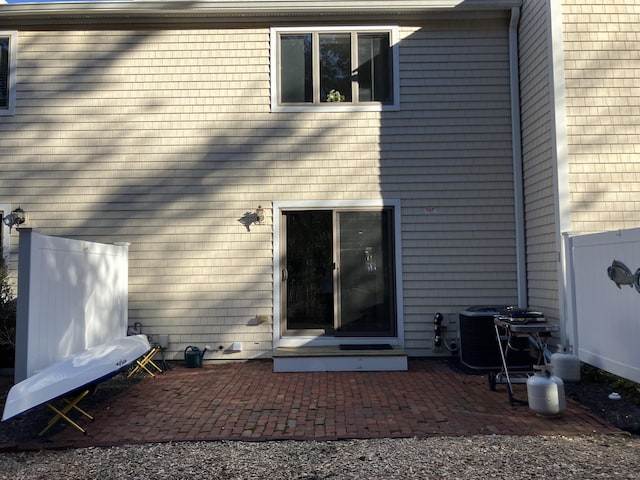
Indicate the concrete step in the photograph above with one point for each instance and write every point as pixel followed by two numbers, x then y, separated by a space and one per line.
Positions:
pixel 333 358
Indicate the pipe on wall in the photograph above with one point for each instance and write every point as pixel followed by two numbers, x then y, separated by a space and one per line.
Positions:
pixel 516 146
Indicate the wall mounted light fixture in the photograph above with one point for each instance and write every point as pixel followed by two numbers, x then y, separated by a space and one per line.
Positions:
pixel 15 218
pixel 259 214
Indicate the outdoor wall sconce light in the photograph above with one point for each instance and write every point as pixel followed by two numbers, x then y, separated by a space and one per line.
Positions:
pixel 15 218
pixel 259 214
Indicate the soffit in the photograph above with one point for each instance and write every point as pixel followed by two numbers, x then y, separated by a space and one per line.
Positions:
pixel 243 11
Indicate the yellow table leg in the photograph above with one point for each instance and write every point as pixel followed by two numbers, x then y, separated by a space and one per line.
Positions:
pixel 147 359
pixel 62 413
pixel 76 407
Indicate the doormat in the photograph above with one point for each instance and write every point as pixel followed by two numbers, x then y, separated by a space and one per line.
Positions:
pixel 367 346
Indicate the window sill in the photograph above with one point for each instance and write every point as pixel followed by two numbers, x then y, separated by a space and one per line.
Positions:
pixel 334 108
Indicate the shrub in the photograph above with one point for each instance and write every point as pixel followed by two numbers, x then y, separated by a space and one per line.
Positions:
pixel 8 304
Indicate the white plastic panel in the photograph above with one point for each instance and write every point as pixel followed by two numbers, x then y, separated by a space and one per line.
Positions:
pixel 608 315
pixel 77 294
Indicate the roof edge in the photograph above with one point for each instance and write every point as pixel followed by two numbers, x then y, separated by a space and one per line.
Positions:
pixel 240 9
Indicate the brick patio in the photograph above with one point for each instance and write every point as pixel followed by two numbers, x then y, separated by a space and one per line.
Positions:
pixel 248 401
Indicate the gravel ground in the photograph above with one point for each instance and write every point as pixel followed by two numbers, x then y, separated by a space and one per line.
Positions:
pixel 610 456
pixel 513 457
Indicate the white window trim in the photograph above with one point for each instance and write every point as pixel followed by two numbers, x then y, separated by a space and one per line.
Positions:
pixel 5 209
pixel 13 65
pixel 362 107
pixel 287 341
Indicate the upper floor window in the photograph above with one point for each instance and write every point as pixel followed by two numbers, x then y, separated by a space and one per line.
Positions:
pixel 334 67
pixel 8 41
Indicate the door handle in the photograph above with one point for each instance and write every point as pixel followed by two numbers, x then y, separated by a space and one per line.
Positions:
pixel 285 274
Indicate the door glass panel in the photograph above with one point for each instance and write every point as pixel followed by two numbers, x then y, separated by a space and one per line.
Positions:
pixel 309 271
pixel 365 274
pixel 355 299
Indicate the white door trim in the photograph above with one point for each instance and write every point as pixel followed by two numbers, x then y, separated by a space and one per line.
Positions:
pixel 278 339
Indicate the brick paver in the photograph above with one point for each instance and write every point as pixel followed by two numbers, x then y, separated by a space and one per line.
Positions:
pixel 248 401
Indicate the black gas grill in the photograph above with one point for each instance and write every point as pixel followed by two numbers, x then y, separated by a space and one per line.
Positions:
pixel 519 316
pixel 515 324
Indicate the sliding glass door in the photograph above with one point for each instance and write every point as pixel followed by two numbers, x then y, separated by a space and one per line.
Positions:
pixel 337 275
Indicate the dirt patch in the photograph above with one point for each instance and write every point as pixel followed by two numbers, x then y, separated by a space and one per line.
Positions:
pixel 623 413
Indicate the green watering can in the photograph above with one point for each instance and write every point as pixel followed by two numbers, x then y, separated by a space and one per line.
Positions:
pixel 193 356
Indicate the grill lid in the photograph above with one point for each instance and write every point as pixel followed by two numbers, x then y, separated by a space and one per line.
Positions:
pixel 515 314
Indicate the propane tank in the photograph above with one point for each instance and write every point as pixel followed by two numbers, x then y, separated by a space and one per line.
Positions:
pixel 545 392
pixel 565 364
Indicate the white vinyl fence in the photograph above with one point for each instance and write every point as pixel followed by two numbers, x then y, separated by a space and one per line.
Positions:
pixel 604 269
pixel 72 295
